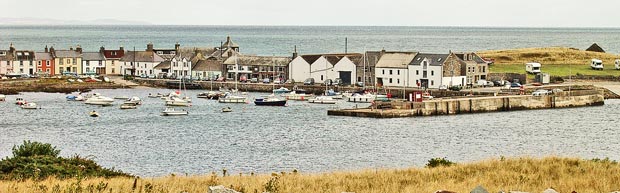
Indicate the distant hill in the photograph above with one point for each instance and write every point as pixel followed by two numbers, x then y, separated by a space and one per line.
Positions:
pixel 42 21
pixel 550 55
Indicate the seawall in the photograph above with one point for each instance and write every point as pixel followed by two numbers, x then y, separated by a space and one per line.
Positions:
pixel 455 106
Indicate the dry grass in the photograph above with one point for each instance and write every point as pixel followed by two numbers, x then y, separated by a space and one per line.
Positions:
pixel 525 174
pixel 551 55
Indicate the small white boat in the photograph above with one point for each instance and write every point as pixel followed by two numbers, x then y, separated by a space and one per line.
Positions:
pixel 20 101
pixel 71 80
pixel 298 97
pixel 226 110
pixel 2 97
pixel 173 112
pixel 129 105
pixel 361 98
pixel 97 99
pixel 281 90
pixel 176 101
pixel 228 98
pixel 153 96
pixel 323 100
pixel 29 106
pixel 134 100
pixel 106 79
pixel 93 114
pixel 80 80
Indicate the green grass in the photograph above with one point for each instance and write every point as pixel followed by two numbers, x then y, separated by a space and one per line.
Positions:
pixel 556 69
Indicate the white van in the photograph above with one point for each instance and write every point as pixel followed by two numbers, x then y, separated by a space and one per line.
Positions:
pixel 596 64
pixel 532 67
pixel 617 64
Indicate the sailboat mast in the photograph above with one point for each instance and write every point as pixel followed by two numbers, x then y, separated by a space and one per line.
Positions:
pixel 236 70
pixel 364 71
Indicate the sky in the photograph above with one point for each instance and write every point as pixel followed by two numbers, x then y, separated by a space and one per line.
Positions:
pixel 483 13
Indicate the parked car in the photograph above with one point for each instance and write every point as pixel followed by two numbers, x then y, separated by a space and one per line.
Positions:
pixel 266 80
pixel 455 88
pixel 498 83
pixel 443 87
pixel 540 92
pixel 360 84
pixel 490 84
pixel 515 85
pixel 328 82
pixel 243 79
pixel 337 81
pixel 277 81
pixel 221 79
pixel 290 81
pixel 482 83
pixel 143 76
pixel 253 80
pixel 152 76
pixel 309 81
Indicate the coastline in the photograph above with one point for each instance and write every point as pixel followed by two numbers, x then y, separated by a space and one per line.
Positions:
pixel 507 174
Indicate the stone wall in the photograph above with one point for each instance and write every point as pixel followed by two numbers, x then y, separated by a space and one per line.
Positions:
pixel 508 76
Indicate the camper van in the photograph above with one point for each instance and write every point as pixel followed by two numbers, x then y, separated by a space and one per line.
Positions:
pixel 596 64
pixel 532 68
pixel 617 64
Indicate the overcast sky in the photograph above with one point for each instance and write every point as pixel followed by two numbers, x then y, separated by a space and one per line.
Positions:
pixel 500 13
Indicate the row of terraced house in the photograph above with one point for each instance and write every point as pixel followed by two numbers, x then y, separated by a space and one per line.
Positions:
pixel 386 68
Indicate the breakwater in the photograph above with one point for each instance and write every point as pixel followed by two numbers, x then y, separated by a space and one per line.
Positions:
pixel 454 106
pixel 50 85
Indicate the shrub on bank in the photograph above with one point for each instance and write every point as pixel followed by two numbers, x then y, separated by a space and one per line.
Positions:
pixel 436 162
pixel 35 160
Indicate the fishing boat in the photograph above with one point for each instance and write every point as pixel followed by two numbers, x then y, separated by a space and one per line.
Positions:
pixel 323 100
pixel 333 94
pixel 174 112
pixel 2 97
pixel 29 106
pixel 281 90
pixel 154 96
pixel 213 95
pixel 361 98
pixel 270 100
pixel 93 114
pixel 226 110
pixel 135 100
pixel 97 99
pixel 298 96
pixel 20 101
pixel 129 105
pixel 177 101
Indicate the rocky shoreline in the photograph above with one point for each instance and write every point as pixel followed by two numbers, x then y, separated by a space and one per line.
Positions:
pixel 14 87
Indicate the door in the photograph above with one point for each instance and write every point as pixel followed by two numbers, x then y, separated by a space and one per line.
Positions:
pixel 100 70
pixel 345 76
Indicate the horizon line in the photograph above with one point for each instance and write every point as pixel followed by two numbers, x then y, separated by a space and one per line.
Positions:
pixel 328 25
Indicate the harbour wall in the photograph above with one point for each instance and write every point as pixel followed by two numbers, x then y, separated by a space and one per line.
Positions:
pixel 393 109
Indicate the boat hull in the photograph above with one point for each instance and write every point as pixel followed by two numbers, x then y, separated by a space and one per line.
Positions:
pixel 270 103
pixel 231 100
pixel 322 101
pixel 174 113
pixel 360 100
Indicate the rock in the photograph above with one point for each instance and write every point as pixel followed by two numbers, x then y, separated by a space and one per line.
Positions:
pixel 550 190
pixel 220 189
pixel 479 189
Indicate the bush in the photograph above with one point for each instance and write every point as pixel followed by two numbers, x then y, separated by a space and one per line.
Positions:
pixel 29 149
pixel 436 162
pixel 35 160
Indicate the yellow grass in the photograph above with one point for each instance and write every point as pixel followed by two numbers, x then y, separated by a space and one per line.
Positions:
pixel 551 55
pixel 525 174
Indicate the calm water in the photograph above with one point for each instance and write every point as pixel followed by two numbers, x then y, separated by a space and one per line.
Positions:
pixel 279 40
pixel 301 136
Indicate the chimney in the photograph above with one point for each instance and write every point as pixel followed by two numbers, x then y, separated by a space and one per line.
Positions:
pixel 71 48
pixel 101 49
pixel 52 50
pixel 149 47
pixel 122 49
pixel 295 52
pixel 177 46
pixel 382 51
pixel 11 48
pixel 46 49
pixel 78 49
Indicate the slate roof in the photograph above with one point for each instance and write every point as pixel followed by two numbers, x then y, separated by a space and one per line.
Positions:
pixel 163 65
pixel 229 43
pixel 476 58
pixel 7 56
pixel 333 58
pixel 43 56
pixel 372 57
pixel 92 56
pixel 23 55
pixel 595 48
pixel 434 59
pixel 67 54
pixel 258 60
pixel 210 64
pixel 142 56
pixel 395 59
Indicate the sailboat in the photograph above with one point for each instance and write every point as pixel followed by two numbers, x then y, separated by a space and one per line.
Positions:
pixel 233 97
pixel 175 99
pixel 271 100
pixel 325 99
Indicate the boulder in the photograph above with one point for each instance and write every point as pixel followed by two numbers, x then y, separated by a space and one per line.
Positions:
pixel 550 190
pixel 479 189
pixel 220 189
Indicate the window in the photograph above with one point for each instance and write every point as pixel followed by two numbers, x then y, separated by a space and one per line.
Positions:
pixel 39 63
pixel 390 80
pixel 47 63
pixel 432 73
pixel 40 70
pixel 21 63
pixel 68 61
pixel 47 70
pixel 74 61
pixel 432 82
pixel 398 81
pixel 112 70
pixel 113 62
pixel 382 71
pixel 114 53
pixel 484 69
pixel 100 62
pixel 417 72
pixel 87 63
pixel 87 69
pixel 398 72
pixel 61 61
pixel 321 77
pixel 390 72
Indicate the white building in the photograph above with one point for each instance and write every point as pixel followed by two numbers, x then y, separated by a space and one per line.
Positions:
pixel 181 67
pixel 325 66
pixel 93 63
pixel 435 70
pixel 140 63
pixel 392 68
pixel 6 59
pixel 23 62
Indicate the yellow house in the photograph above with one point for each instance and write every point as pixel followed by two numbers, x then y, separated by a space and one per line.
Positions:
pixel 68 61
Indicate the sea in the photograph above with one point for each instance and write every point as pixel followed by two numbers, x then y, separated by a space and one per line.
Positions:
pixel 282 40
pixel 300 136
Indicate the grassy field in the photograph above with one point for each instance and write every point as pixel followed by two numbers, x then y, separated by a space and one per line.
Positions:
pixel 525 174
pixel 557 61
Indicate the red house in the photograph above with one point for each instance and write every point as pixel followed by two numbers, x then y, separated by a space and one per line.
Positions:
pixel 45 63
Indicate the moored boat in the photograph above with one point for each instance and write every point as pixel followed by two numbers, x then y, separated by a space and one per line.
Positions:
pixel 174 112
pixel 97 99
pixel 298 96
pixel 226 110
pixel 361 98
pixel 270 101
pixel 2 97
pixel 93 114
pixel 129 105
pixel 229 98
pixel 281 90
pixel 29 106
pixel 20 101
pixel 135 100
pixel 121 97
pixel 323 100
